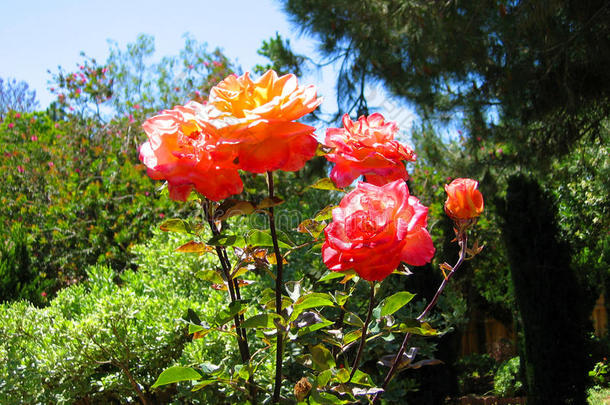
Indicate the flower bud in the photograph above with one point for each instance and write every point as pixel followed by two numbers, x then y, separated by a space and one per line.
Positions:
pixel 464 201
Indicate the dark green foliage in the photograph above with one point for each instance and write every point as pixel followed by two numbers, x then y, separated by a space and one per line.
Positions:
pixel 542 63
pixel 475 373
pixel 283 60
pixel 18 279
pixel 548 296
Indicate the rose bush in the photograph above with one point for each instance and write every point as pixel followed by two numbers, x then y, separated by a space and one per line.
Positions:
pixel 179 150
pixel 374 229
pixel 464 201
pixel 367 147
pixel 255 121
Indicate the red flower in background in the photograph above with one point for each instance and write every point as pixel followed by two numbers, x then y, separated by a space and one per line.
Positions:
pixel 464 201
pixel 374 229
pixel 179 150
pixel 367 147
pixel 255 121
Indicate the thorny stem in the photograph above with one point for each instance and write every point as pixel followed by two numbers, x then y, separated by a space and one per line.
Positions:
pixel 463 242
pixel 242 341
pixel 365 327
pixel 278 296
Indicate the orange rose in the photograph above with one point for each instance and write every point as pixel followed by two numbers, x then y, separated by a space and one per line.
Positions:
pixel 179 150
pixel 464 201
pixel 255 121
pixel 367 147
pixel 374 229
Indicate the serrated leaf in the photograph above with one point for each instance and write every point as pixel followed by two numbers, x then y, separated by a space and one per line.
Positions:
pixel 322 358
pixel 175 225
pixel 325 184
pixel 396 301
pixel 262 321
pixel 176 374
pixel 195 247
pixel 231 207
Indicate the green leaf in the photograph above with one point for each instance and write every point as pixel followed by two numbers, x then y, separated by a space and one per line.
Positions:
pixel 342 375
pixel 322 358
pixel 396 301
pixel 209 275
pixel 362 378
pixel 316 326
pixel 331 275
pixel 325 213
pixel 415 327
pixel 314 228
pixel 227 314
pixel 353 319
pixel 227 240
pixel 176 374
pixel 325 184
pixel 202 384
pixel 196 328
pixel 175 225
pixel 352 336
pixel 324 377
pixel 262 321
pixel 311 300
pixel 258 237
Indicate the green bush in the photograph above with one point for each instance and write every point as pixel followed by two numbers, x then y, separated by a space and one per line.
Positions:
pixel 103 340
pixel 507 382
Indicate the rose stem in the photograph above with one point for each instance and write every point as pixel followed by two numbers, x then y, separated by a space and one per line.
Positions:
pixel 365 328
pixel 463 241
pixel 242 341
pixel 278 295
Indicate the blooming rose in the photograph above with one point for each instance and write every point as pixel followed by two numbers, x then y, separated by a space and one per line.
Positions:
pixel 374 229
pixel 464 201
pixel 367 147
pixel 255 121
pixel 179 150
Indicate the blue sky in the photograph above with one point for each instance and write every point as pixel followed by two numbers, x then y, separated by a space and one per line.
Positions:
pixel 38 35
